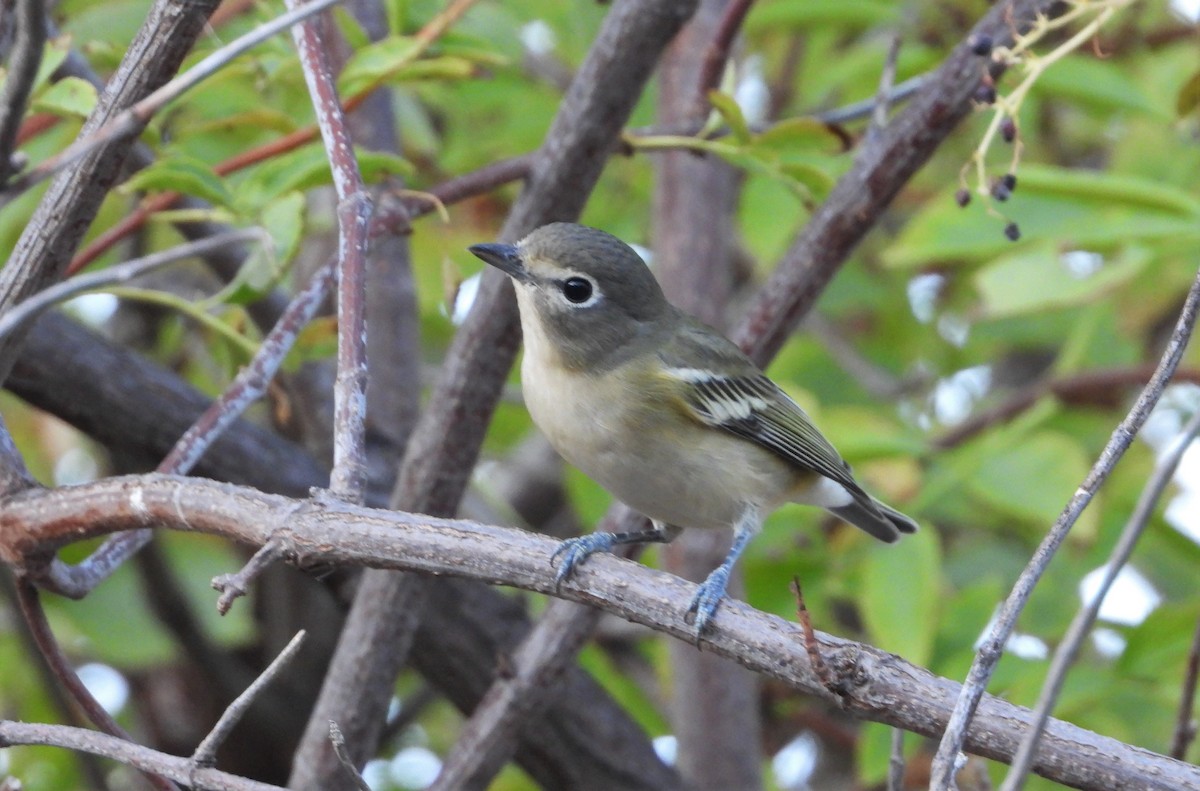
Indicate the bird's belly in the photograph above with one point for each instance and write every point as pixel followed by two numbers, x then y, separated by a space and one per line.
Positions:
pixel 704 479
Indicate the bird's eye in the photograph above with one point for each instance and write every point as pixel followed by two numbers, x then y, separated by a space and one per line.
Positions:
pixel 577 289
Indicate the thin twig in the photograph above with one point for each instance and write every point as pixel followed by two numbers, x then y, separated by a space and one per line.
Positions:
pixel 234 586
pixel 717 53
pixel 887 79
pixel 206 752
pixel 1185 727
pixel 432 30
pixel 989 653
pixel 1096 386
pixel 477 182
pixel 1068 649
pixel 151 762
pixel 130 121
pixel 411 709
pixel 873 378
pixel 812 646
pixel 423 39
pixel 349 476
pixel 22 314
pixel 14 475
pixel 252 381
pixel 76 581
pixel 866 107
pixel 23 62
pixel 490 735
pixel 343 755
pixel 93 772
pixel 35 616
pixel 895 778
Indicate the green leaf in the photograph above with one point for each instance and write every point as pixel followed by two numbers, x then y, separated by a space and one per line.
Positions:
pixel 1081 209
pixel 1157 648
pixel 116 624
pixel 184 174
pixel 259 119
pixel 1035 278
pixel 308 167
pixel 800 134
pixel 873 753
pixel 864 434
pixel 590 501
pixel 356 37
pixel 1034 478
pixel 1131 192
pixel 729 110
pixel 1103 85
pixel 745 158
pixel 317 341
pixel 446 67
pixel 196 560
pixel 476 49
pixel 283 220
pixel 1188 99
pixel 901 595
pixel 809 13
pixel 815 182
pixel 53 55
pixel 395 59
pixel 70 97
pixel 377 165
pixel 376 62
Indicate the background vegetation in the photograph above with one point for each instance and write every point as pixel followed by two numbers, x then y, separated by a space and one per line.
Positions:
pixel 970 379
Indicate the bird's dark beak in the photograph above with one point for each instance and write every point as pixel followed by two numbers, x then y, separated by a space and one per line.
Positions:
pixel 504 257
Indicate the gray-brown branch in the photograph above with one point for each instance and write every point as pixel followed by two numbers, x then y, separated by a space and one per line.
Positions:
pixel 879 686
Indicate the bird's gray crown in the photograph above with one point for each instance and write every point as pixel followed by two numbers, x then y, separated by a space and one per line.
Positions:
pixel 589 295
pixel 561 249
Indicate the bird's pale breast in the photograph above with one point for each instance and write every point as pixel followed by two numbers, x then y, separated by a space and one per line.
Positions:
pixel 645 451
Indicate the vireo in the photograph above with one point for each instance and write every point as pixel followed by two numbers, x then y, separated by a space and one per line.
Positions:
pixel 662 411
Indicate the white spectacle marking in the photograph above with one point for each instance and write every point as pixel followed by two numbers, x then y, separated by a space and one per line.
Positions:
pixel 587 303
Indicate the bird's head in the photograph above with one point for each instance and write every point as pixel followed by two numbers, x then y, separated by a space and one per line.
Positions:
pixel 583 292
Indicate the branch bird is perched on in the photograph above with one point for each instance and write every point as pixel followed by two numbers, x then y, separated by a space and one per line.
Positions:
pixel 661 410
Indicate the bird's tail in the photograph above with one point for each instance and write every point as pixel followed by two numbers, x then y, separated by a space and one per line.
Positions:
pixel 872 516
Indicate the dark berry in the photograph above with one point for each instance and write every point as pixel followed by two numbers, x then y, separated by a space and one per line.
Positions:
pixel 985 94
pixel 1012 232
pixel 962 197
pixel 1009 180
pixel 1008 130
pixel 981 45
pixel 1000 192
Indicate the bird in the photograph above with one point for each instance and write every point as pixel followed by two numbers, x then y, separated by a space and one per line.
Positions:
pixel 661 410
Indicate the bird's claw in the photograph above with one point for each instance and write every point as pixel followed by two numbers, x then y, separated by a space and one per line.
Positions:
pixel 574 551
pixel 704 604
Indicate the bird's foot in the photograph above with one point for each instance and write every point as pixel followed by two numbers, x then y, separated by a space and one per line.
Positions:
pixel 574 551
pixel 704 604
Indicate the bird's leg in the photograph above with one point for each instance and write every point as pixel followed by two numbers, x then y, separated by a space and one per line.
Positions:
pixel 574 551
pixel 708 597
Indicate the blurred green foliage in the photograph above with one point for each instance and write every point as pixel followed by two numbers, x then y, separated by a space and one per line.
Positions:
pixel 1109 167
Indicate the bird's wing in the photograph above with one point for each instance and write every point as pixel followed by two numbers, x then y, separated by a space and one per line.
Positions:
pixel 743 401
